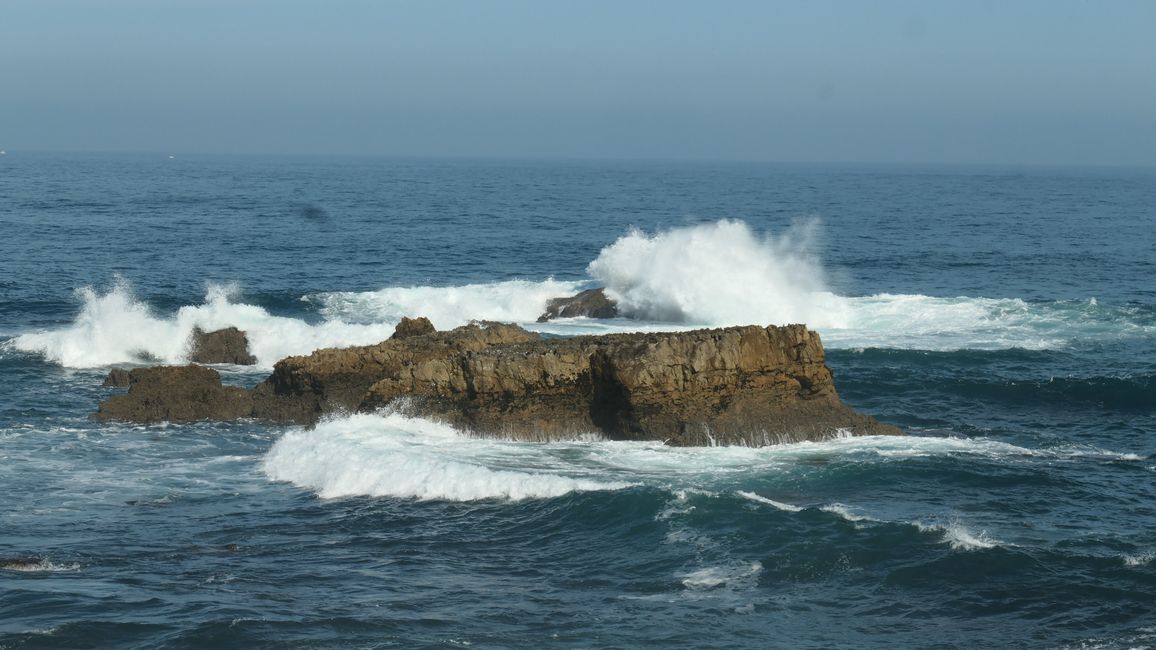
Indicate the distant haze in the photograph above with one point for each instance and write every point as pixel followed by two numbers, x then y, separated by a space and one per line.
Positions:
pixel 1043 81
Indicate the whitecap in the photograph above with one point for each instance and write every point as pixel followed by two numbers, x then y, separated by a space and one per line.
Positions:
pixel 786 507
pixel 1141 559
pixel 845 513
pixel 958 537
pixel 115 327
pixel 731 576
pixel 397 456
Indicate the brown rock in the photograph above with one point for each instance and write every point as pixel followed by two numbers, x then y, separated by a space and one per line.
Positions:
pixel 739 385
pixel 176 394
pixel 591 303
pixel 408 327
pixel 229 345
pixel 117 378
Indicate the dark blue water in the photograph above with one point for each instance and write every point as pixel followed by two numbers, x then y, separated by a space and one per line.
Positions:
pixel 1006 318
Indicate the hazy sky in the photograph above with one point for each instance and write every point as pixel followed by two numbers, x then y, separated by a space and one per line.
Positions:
pixel 1043 81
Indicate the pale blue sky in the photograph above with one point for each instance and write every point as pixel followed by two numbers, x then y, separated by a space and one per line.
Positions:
pixel 1029 81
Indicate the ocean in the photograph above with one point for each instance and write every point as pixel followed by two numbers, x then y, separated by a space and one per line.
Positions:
pixel 1005 318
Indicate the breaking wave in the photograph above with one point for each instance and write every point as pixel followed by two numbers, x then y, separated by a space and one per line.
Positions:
pixel 398 456
pixel 115 327
pixel 391 455
pixel 707 275
pixel 720 273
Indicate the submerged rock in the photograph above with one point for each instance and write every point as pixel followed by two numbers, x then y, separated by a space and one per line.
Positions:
pixel 591 303
pixel 738 385
pixel 229 345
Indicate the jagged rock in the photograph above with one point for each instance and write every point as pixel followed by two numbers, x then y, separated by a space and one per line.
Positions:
pixel 591 303
pixel 176 394
pixel 117 378
pixel 413 327
pixel 229 345
pixel 739 385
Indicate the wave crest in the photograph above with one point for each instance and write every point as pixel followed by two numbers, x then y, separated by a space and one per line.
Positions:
pixel 719 273
pixel 397 456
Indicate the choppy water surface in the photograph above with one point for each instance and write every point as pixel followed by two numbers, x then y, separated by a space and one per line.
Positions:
pixel 1005 318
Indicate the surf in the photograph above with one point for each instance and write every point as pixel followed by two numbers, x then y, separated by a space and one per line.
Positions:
pixel 708 275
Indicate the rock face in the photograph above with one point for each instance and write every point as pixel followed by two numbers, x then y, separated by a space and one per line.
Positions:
pixel 229 345
pixel 738 385
pixel 591 303
pixel 176 394
pixel 117 378
pixel 412 327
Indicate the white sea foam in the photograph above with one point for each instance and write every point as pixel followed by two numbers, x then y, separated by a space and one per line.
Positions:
pixel 520 301
pixel 957 536
pixel 397 456
pixel 392 455
pixel 719 273
pixel 1141 559
pixel 731 576
pixel 723 273
pixel 845 512
pixel 715 274
pixel 786 507
pixel 115 327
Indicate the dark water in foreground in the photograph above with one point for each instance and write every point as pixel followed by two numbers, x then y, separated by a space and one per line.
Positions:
pixel 1005 318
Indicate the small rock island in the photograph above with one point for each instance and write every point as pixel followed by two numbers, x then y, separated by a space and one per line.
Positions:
pixel 745 385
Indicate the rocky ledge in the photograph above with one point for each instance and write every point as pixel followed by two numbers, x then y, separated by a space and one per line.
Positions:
pixel 738 385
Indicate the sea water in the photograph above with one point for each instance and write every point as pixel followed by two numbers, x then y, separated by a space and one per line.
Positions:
pixel 1004 317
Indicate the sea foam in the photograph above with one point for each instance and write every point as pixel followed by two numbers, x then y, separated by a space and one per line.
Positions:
pixel 115 327
pixel 396 456
pixel 717 274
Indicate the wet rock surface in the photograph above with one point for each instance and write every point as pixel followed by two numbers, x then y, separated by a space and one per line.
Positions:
pixel 738 385
pixel 176 394
pixel 591 303
pixel 229 345
pixel 117 378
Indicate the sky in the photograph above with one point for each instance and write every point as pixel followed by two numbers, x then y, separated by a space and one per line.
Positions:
pixel 969 81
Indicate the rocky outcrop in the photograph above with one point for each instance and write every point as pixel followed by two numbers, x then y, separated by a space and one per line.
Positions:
pixel 738 385
pixel 412 327
pixel 229 345
pixel 176 394
pixel 117 378
pixel 591 303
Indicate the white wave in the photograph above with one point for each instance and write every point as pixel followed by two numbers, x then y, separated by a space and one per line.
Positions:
pixel 115 327
pixel 958 537
pixel 786 507
pixel 738 575
pixel 397 456
pixel 723 273
pixel 845 513
pixel 718 273
pixel 904 447
pixel 392 455
pixel 707 275
pixel 519 301
pixel 1141 559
